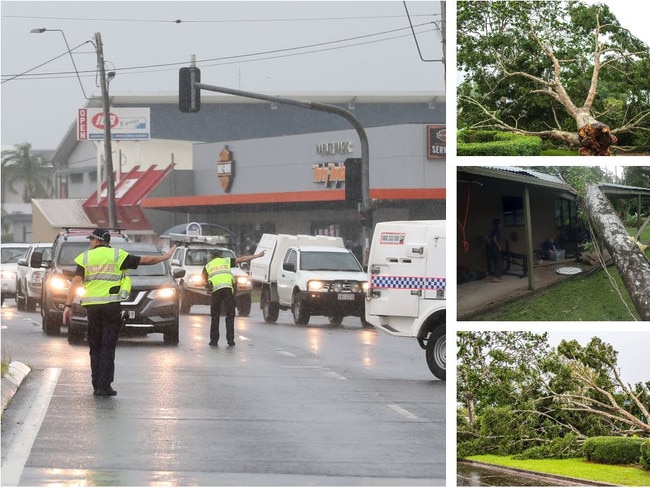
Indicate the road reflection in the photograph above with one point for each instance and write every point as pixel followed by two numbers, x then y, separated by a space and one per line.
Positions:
pixel 474 475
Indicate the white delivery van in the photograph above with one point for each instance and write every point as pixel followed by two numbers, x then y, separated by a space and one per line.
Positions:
pixel 407 285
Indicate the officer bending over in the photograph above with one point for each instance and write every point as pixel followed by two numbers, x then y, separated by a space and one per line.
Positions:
pixel 218 278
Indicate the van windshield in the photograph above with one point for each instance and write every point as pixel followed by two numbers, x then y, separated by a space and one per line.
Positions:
pixel 329 261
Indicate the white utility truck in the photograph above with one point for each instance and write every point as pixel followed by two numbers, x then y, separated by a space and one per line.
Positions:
pixel 407 285
pixel 309 275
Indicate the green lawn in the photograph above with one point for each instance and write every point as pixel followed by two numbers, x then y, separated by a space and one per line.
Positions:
pixel 579 299
pixel 574 468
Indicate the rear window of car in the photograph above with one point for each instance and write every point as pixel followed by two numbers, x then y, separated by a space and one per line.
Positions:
pixel 12 254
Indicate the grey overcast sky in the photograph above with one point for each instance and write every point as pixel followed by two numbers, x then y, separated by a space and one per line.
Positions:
pixel 268 47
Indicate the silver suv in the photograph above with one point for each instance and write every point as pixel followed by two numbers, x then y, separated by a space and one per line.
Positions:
pixel 192 257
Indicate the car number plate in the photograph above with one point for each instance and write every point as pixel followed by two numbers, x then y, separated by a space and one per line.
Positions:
pixel 131 314
pixel 346 296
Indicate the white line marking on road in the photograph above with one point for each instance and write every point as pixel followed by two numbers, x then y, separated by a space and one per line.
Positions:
pixel 285 353
pixel 335 375
pixel 12 468
pixel 402 411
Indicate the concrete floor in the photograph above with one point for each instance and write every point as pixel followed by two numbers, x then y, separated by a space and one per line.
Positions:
pixel 475 297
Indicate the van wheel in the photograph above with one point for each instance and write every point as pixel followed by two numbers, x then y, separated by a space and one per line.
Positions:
pixel 436 352
pixel 335 320
pixel 270 310
pixel 300 311
pixel 30 304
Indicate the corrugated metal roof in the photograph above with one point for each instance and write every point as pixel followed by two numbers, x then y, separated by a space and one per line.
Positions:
pixel 529 172
pixel 64 212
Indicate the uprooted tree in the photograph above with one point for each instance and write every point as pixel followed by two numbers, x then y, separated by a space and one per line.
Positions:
pixel 564 71
pixel 632 265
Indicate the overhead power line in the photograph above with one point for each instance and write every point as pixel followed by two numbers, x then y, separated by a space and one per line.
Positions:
pixel 210 21
pixel 259 56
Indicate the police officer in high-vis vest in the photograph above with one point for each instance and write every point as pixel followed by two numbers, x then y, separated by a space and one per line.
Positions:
pixel 101 269
pixel 218 279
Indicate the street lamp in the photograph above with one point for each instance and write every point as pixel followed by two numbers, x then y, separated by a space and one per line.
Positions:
pixel 108 155
pixel 43 29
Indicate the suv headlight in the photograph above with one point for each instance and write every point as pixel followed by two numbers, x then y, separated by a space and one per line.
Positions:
pixel 242 280
pixel 316 285
pixel 161 293
pixel 59 283
pixel 196 280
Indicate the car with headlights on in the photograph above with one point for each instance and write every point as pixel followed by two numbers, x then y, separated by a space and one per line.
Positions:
pixel 152 305
pixel 11 253
pixel 29 280
pixel 59 270
pixel 192 254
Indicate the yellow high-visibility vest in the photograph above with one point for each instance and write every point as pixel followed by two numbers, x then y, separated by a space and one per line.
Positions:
pixel 219 273
pixel 101 273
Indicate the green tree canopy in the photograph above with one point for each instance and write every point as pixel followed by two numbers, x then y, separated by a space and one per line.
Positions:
pixel 515 392
pixel 552 69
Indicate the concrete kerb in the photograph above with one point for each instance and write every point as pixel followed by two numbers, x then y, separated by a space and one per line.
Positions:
pixel 558 479
pixel 12 380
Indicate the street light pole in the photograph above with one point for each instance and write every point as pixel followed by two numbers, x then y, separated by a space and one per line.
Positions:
pixel 108 153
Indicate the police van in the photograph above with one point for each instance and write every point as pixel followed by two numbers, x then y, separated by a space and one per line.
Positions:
pixel 407 285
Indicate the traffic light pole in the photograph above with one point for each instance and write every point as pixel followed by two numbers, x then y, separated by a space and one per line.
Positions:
pixel 366 210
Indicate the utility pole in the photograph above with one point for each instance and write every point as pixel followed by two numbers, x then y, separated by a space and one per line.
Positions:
pixel 108 152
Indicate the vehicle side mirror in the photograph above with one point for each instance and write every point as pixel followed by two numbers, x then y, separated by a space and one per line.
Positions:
pixel 244 266
pixel 36 261
pixel 289 267
pixel 178 272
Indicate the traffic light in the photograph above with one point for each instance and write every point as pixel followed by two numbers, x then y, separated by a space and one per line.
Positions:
pixel 189 97
pixel 353 181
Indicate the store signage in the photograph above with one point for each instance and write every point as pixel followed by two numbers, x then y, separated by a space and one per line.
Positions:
pixel 436 141
pixel 329 174
pixel 340 147
pixel 225 169
pixel 125 124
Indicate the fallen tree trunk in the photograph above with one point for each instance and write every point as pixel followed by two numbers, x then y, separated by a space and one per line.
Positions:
pixel 632 265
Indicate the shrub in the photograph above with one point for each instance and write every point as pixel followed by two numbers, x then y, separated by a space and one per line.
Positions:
pixel 559 448
pixel 613 450
pixel 495 143
pixel 645 454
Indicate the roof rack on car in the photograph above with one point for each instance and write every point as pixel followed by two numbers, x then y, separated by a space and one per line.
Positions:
pixel 84 229
pixel 192 239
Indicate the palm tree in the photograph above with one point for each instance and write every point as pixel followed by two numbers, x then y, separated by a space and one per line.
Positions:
pixel 21 166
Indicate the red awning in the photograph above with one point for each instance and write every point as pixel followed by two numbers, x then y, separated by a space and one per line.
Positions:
pixel 132 188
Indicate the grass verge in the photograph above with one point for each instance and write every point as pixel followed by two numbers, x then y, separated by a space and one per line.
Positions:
pixel 574 468
pixel 588 297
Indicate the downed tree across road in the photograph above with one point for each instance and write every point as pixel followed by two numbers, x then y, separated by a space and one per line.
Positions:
pixel 631 263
